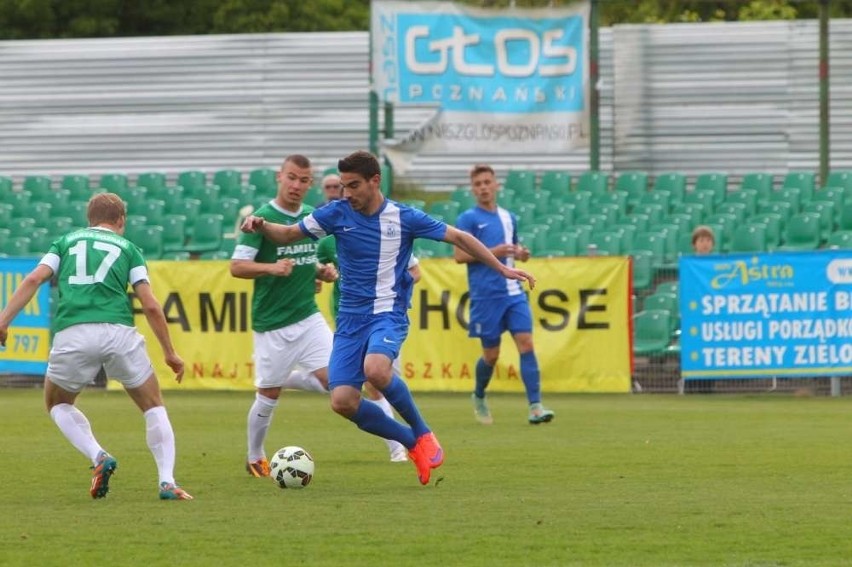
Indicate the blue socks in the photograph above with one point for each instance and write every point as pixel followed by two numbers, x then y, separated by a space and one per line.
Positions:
pixel 530 376
pixel 483 377
pixel 399 396
pixel 372 419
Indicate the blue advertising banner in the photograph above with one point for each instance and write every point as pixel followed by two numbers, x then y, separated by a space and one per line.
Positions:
pixel 510 80
pixel 765 315
pixel 28 343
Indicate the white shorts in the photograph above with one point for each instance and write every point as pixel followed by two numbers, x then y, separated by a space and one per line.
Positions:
pixel 276 353
pixel 79 351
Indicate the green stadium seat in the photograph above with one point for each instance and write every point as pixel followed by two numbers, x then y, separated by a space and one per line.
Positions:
pixel 77 210
pixel 804 181
pixel 189 208
pixel 643 269
pixel 5 235
pixel 386 179
pixel 154 210
pixel 825 210
pixel 230 211
pixel 59 201
pixel 6 186
pixel 695 211
pixel 206 234
pixel 684 245
pixel 759 182
pixel 426 248
pixel 17 246
pixel 610 211
pixel 174 233
pixel 60 226
pixel 149 239
pixel 667 301
pixel 724 224
pixel 840 239
pixel 780 208
pixel 40 213
pixel 617 198
pixel 40 241
pixel 639 220
pixel 449 210
pixel 228 245
pixel 682 221
pixel 567 210
pixel 191 180
pixel 802 232
pixel 114 183
pixel 556 182
pixel 21 226
pixel 6 212
pixel 581 201
pixel 670 286
pixel 526 213
pixel 660 197
pixel 245 194
pixel 541 199
pixel 153 181
pixel 215 255
pixel 77 186
pixel 37 186
pixel 654 211
pixel 592 182
pixel 652 332
pixel 736 209
pixel 566 242
pixel 833 195
pixel 520 181
pixel 556 222
pixel 790 195
pixel 704 198
pixel 133 222
pixel 207 194
pixel 608 243
pixel 599 223
pixel 627 232
pixel 673 182
pixel 264 179
pixel 747 197
pixel 839 178
pixel 772 222
pixel 506 198
pixel 844 220
pixel 633 184
pixel 654 242
pixel 227 179
pixel 173 198
pixel 671 233
pixel 176 255
pixel 749 238
pixel 584 235
pixel 716 183
pixel 20 201
pixel 464 198
pixel 135 198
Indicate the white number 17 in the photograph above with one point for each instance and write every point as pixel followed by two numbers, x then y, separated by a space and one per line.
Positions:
pixel 80 250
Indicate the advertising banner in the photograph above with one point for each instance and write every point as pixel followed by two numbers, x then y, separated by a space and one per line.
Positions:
pixel 580 315
pixel 499 80
pixel 28 344
pixel 766 315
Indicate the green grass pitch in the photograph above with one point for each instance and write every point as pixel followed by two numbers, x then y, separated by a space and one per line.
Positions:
pixel 614 480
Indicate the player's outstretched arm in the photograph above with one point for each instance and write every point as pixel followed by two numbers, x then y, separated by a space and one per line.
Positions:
pixel 277 233
pixel 157 320
pixel 25 292
pixel 477 250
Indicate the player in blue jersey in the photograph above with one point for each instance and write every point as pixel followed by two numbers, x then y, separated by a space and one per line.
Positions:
pixel 374 241
pixel 497 304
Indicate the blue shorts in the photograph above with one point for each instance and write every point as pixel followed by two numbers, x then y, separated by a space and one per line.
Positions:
pixel 488 319
pixel 359 335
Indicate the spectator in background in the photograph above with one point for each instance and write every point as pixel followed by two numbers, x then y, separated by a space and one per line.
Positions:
pixel 331 188
pixel 497 304
pixel 703 240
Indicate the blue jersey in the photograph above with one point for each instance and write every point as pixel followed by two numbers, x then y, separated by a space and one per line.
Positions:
pixel 491 228
pixel 373 252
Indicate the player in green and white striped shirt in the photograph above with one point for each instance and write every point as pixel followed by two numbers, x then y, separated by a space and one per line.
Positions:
pixel 94 329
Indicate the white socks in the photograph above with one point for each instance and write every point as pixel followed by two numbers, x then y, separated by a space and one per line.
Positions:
pixel 161 440
pixel 395 447
pixel 76 428
pixel 300 380
pixel 259 418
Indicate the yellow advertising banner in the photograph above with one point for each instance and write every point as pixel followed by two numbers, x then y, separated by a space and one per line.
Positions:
pixel 581 314
pixel 581 330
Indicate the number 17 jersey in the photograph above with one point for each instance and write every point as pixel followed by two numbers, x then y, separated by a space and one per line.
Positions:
pixel 93 267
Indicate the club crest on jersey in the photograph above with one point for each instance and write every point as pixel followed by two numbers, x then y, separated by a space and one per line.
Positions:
pixel 391 230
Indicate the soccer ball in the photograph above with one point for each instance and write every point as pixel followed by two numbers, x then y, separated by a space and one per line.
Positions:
pixel 291 467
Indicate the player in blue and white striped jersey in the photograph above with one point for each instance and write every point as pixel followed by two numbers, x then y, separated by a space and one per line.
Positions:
pixel 498 304
pixel 374 242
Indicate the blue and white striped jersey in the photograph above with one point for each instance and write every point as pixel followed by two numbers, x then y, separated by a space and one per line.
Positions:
pixel 491 228
pixel 373 252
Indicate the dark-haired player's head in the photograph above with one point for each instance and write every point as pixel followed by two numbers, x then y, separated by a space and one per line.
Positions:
pixel 361 178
